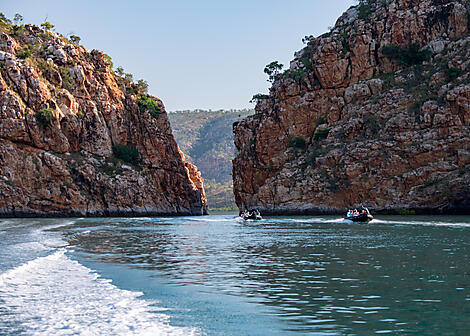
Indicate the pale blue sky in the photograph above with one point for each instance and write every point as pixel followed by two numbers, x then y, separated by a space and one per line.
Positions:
pixel 205 54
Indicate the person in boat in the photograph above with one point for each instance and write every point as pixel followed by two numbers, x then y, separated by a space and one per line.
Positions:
pixel 364 210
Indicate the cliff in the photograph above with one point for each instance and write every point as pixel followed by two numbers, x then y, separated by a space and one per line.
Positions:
pixel 374 112
pixel 206 138
pixel 76 139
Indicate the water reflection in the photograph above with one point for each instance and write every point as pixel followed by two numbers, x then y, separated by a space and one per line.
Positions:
pixel 331 278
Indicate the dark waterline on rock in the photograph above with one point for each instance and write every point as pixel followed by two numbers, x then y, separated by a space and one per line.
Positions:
pixel 217 275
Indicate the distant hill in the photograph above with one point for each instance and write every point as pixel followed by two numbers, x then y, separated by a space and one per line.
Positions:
pixel 206 139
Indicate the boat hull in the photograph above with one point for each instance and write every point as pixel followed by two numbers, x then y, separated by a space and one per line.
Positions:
pixel 252 217
pixel 363 218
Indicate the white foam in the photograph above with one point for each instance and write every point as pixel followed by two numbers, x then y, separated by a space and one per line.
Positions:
pixel 55 295
pixel 30 246
pixel 423 222
pixel 206 219
pixel 339 220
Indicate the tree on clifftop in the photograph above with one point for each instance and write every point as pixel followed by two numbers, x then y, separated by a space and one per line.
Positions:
pixel 47 25
pixel 272 70
pixel 18 19
pixel 75 39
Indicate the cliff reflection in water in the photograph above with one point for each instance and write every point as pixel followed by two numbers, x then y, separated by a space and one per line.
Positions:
pixel 314 275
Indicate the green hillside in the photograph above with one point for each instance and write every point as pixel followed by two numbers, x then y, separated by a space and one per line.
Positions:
pixel 206 139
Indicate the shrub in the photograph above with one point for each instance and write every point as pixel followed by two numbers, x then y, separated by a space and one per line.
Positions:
pixel 307 39
pixel 47 25
pixel 297 142
pixel 18 19
pixel 372 123
pixel 407 56
pixel 306 58
pixel 127 154
pixel 42 64
pixel 259 96
pixel 364 11
pixel 45 116
pixel 24 52
pixel 321 134
pixel 109 167
pixel 148 104
pixel 453 74
pixel 464 170
pixel 111 64
pixel 67 80
pixel 413 55
pixel 391 50
pixel 18 30
pixel 343 38
pixel 321 121
pixel 298 74
pixel 74 39
pixel 4 19
pixel 142 86
pixel 120 71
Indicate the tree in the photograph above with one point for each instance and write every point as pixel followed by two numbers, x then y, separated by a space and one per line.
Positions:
pixel 18 19
pixel 128 77
pixel 259 96
pixel 272 70
pixel 47 25
pixel 75 39
pixel 307 39
pixel 120 71
pixel 110 60
pixel 298 75
pixel 142 86
pixel 4 19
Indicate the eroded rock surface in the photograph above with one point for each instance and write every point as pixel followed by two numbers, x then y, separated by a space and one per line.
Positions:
pixel 66 163
pixel 352 123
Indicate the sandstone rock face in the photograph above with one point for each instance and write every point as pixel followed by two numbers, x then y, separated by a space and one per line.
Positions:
pixel 67 163
pixel 356 125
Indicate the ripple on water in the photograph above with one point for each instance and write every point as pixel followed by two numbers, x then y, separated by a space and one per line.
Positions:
pixel 317 274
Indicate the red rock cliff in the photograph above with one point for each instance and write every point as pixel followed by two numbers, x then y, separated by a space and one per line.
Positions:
pixel 76 139
pixel 375 112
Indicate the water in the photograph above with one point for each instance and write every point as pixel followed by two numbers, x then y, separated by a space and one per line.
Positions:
pixel 217 275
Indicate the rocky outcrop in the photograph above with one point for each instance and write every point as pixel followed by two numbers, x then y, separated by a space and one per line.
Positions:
pixel 374 112
pixel 78 140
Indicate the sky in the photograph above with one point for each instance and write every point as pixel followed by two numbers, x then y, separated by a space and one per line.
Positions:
pixel 207 54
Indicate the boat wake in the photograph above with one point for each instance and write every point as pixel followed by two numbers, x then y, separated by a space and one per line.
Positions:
pixel 55 295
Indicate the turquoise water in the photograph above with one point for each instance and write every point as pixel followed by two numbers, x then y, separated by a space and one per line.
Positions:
pixel 217 275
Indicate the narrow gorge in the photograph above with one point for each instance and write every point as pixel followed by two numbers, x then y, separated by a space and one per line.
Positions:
pixel 80 139
pixel 374 112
